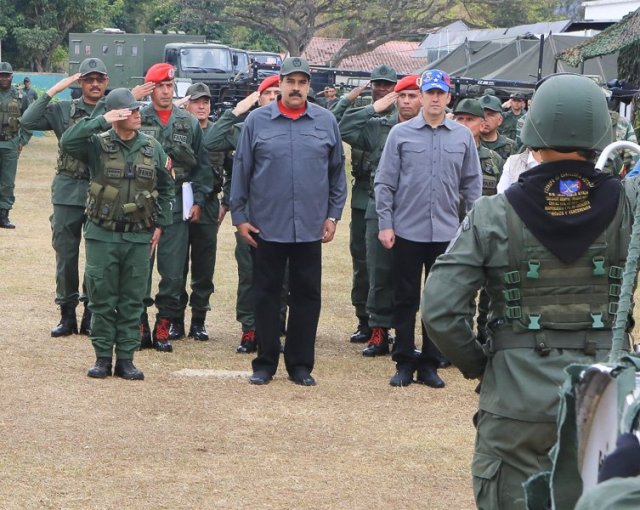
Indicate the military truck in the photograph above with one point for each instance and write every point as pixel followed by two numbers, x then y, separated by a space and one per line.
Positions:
pixel 129 56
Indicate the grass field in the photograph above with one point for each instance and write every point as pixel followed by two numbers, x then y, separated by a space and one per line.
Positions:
pixel 210 442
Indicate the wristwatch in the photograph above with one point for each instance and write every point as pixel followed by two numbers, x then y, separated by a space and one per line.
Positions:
pixel 335 222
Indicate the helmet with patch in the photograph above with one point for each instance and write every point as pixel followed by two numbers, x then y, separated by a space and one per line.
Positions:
pixel 568 111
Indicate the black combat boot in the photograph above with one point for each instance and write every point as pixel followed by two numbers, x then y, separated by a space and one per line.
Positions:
pixel 248 342
pixel 101 368
pixel 68 323
pixel 4 219
pixel 197 331
pixel 161 335
pixel 363 333
pixel 145 332
pixel 378 344
pixel 176 329
pixel 85 323
pixel 127 370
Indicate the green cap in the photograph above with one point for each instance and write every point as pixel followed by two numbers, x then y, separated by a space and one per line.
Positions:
pixel 491 103
pixel 384 73
pixel 5 68
pixel 295 65
pixel 489 91
pixel 470 106
pixel 121 98
pixel 92 65
pixel 198 90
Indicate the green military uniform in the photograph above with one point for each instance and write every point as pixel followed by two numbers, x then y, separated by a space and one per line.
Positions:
pixel 181 138
pixel 362 129
pixel 614 494
pixel 623 130
pixel 12 139
pixel 68 192
pixel 131 192
pixel 519 125
pixel 510 124
pixel 550 254
pixel 504 146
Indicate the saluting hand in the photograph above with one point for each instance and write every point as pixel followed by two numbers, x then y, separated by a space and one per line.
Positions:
pixel 355 93
pixel 141 91
pixel 245 230
pixel 384 103
pixel 116 115
pixel 245 105
pixel 63 84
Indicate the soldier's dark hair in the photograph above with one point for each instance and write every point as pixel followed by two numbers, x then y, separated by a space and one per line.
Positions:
pixel 590 155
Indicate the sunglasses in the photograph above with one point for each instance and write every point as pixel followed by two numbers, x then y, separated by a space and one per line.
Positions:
pixel 94 79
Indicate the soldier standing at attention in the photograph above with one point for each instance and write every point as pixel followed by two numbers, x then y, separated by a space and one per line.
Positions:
pixel 287 193
pixel 489 135
pixel 128 206
pixel 550 252
pixel 29 91
pixel 427 163
pixel 516 110
pixel 383 80
pixel 12 139
pixel 180 135
pixel 69 187
pixel 366 130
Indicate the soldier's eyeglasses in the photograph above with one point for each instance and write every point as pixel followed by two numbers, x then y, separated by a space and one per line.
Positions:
pixel 94 79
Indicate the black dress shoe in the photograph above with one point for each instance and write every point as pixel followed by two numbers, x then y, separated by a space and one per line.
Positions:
pixel 260 378
pixel 176 330
pixel 101 368
pixel 303 378
pixel 197 331
pixel 127 370
pixel 430 377
pixel 379 343
pixel 362 334
pixel 85 323
pixel 402 377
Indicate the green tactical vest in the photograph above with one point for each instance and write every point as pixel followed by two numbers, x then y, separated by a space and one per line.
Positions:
pixel 122 196
pixel 490 173
pixel 385 129
pixel 217 159
pixel 10 116
pixel 543 299
pixel 177 146
pixel 67 164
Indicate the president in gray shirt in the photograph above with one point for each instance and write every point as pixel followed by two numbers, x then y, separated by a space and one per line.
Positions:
pixel 289 167
pixel 428 162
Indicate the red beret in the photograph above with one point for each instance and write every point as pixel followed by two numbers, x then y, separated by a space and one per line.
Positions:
pixel 270 81
pixel 407 83
pixel 160 72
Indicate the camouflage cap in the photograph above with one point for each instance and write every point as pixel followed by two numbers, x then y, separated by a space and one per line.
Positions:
pixel 469 106
pixel 92 65
pixel 384 73
pixel 5 68
pixel 295 65
pixel 121 98
pixel 491 103
pixel 198 90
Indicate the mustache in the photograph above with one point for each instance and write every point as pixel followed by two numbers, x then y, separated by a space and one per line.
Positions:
pixel 295 93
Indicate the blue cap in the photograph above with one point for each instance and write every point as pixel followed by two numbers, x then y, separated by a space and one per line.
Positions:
pixel 434 79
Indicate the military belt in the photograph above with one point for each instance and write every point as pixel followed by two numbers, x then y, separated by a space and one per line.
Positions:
pixel 543 341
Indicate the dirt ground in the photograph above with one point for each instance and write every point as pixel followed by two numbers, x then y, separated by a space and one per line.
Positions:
pixel 179 440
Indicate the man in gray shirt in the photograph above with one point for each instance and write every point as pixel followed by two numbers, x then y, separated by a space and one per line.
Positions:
pixel 289 165
pixel 428 162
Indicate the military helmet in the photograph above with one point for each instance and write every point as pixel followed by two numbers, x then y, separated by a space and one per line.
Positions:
pixel 121 98
pixel 568 111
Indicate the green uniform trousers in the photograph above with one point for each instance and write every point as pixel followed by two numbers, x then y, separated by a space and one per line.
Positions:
pixel 244 297
pixel 116 274
pixel 380 302
pixel 8 167
pixel 66 229
pixel 358 249
pixel 172 256
pixel 507 453
pixel 202 252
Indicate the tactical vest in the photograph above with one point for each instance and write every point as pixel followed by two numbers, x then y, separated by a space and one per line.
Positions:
pixel 544 299
pixel 10 116
pixel 490 174
pixel 122 197
pixel 177 146
pixel 68 165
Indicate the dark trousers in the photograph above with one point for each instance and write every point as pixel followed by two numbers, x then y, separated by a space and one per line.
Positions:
pixel 409 259
pixel 305 269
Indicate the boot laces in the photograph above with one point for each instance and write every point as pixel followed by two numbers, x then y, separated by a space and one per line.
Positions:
pixel 377 336
pixel 249 336
pixel 162 329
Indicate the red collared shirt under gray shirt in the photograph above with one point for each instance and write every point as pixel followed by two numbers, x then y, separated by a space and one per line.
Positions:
pixel 291 172
pixel 420 177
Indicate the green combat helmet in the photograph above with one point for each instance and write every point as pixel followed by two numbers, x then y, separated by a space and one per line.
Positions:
pixel 121 98
pixel 568 112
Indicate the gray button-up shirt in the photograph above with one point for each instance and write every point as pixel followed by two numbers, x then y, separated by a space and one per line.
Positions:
pixel 420 177
pixel 291 172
